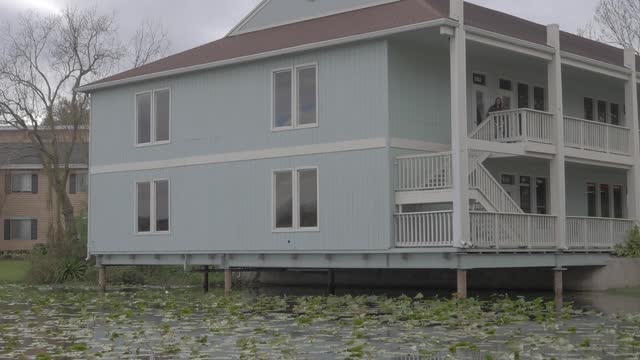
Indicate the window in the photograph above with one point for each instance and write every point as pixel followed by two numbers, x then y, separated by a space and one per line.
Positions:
pixel 525 194
pixel 541 196
pixel 538 98
pixel 295 199
pixel 615 114
pixel 506 179
pixel 523 96
pixel 618 210
pixel 21 229
pixel 153 114
pixel 21 183
pixel 604 201
pixel 480 79
pixel 299 108
pixel 588 108
pixel 78 183
pixel 152 207
pixel 506 85
pixel 591 200
pixel 602 111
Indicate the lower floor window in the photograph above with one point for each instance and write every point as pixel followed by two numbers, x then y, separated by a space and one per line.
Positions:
pixel 295 199
pixel 604 200
pixel 21 229
pixel 152 206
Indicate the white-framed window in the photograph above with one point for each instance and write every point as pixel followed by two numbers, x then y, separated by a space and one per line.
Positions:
pixel 153 207
pixel 79 183
pixel 606 200
pixel 153 117
pixel 295 199
pixel 22 183
pixel 295 97
pixel 21 229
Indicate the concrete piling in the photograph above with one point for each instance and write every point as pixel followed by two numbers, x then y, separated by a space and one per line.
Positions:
pixel 227 282
pixel 462 284
pixel 102 281
pixel 205 279
pixel 331 281
pixel 558 288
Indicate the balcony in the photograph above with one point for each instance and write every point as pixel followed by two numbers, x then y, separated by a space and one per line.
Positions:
pixel 596 233
pixel 596 136
pixel 520 125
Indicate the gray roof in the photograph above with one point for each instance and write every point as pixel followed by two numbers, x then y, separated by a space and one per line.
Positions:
pixel 27 154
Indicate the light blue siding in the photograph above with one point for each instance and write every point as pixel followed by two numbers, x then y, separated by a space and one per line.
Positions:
pixel 229 109
pixel 578 84
pixel 278 12
pixel 228 207
pixel 419 92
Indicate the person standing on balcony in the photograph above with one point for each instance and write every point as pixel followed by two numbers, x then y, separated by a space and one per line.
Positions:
pixel 497 106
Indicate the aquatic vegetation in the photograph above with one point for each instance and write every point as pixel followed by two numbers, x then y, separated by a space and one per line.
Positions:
pixel 76 323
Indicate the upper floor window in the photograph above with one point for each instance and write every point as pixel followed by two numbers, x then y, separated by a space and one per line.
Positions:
pixel 153 117
pixel 295 197
pixel 79 183
pixel 295 98
pixel 152 207
pixel 21 229
pixel 21 183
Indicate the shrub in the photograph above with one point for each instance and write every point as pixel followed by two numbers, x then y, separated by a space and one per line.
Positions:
pixel 631 246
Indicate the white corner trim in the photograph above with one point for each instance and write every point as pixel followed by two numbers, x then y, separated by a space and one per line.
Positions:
pixel 364 144
pixel 237 30
pixel 268 54
pixel 418 145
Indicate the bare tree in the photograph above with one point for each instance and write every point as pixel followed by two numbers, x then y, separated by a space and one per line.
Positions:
pixel 149 43
pixel 42 61
pixel 616 22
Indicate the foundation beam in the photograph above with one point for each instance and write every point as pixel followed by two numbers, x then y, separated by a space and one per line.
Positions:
pixel 102 281
pixel 205 279
pixel 331 281
pixel 462 284
pixel 228 282
pixel 558 288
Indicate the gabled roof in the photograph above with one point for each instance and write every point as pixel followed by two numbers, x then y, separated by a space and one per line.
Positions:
pixel 360 22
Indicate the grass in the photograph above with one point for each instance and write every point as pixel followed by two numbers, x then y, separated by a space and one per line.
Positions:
pixel 13 271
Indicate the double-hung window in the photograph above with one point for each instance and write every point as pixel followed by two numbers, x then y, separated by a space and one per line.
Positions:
pixel 22 183
pixel 295 98
pixel 295 199
pixel 21 229
pixel 152 207
pixel 79 183
pixel 153 117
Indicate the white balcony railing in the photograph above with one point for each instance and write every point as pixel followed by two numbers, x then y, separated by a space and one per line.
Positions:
pixel 424 172
pixel 596 136
pixel 596 233
pixel 516 125
pixel 429 229
pixel 512 231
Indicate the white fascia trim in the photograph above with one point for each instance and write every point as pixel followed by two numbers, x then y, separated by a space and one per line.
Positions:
pixel 38 166
pixel 243 59
pixel 509 43
pixel 354 145
pixel 595 66
pixel 236 30
pixel 418 145
pixel 598 158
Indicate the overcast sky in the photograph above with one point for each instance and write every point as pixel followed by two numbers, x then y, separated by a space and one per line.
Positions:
pixel 195 22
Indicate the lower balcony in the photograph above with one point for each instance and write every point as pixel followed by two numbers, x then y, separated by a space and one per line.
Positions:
pixel 501 231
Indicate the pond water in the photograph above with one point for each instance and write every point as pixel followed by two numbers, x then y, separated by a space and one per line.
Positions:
pixel 184 323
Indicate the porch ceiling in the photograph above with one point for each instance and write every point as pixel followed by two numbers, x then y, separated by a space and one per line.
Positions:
pixel 482 52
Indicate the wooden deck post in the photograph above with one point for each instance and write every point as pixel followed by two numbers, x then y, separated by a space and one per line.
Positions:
pixel 331 281
pixel 227 282
pixel 205 280
pixel 462 284
pixel 102 281
pixel 558 288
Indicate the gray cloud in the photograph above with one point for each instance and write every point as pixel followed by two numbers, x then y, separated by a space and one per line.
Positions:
pixel 194 22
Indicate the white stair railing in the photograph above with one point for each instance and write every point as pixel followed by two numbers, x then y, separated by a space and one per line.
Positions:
pixel 516 125
pixel 596 233
pixel 424 172
pixel 481 179
pixel 596 136
pixel 512 231
pixel 427 229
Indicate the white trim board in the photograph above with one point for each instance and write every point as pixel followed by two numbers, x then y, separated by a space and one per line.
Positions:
pixel 418 145
pixel 38 167
pixel 315 149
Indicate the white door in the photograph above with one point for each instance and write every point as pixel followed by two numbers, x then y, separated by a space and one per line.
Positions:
pixel 480 106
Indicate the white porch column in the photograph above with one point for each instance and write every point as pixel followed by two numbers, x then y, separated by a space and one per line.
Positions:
pixel 557 171
pixel 459 135
pixel 631 118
